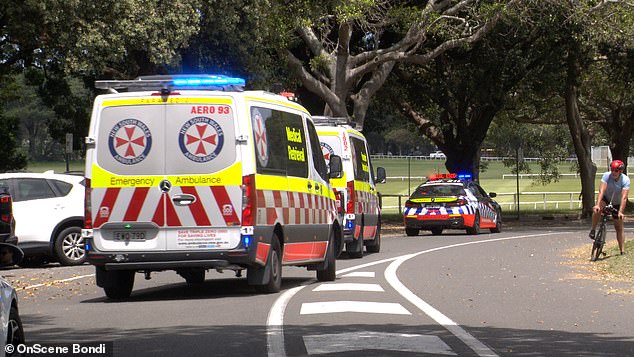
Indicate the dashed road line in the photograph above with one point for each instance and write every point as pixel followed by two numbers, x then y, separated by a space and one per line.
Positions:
pixel 349 287
pixel 366 307
pixel 360 340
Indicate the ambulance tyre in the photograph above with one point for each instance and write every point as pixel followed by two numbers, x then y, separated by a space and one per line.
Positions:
pixel 436 231
pixel 329 273
pixel 355 247
pixel 476 225
pixel 374 246
pixel 117 284
pixel 193 276
pixel 411 232
pixel 268 279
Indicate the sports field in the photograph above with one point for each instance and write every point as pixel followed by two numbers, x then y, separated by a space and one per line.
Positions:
pixel 558 195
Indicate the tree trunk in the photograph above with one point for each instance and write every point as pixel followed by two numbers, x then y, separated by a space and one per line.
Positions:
pixel 581 141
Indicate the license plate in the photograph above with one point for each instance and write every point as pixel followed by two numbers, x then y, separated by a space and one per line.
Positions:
pixel 129 235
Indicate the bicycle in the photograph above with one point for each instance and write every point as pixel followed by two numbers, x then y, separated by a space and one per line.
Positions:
pixel 599 238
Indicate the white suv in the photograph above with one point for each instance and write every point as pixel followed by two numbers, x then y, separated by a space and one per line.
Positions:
pixel 49 214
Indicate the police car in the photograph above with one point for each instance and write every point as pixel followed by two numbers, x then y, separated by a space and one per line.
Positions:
pixel 450 201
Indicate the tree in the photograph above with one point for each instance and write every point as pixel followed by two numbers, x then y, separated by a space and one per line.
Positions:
pixel 345 51
pixel 12 159
pixel 454 99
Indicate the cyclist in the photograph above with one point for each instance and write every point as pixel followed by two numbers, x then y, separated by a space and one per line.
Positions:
pixel 614 185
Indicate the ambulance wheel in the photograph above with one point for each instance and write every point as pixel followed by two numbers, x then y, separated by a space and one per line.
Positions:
pixel 69 247
pixel 476 225
pixel 193 276
pixel 329 273
pixel 117 284
pixel 411 232
pixel 355 248
pixel 436 231
pixel 271 272
pixel 374 246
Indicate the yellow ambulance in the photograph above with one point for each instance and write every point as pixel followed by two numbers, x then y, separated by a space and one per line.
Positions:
pixel 191 173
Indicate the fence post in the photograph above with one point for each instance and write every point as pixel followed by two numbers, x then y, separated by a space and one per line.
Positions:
pixel 544 201
pixel 399 205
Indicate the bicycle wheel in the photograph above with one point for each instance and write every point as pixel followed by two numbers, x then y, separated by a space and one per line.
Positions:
pixel 597 247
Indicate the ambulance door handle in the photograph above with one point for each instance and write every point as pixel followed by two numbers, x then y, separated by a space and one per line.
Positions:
pixel 183 200
pixel 310 186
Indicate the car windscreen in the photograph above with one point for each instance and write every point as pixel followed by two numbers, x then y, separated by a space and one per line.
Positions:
pixel 438 190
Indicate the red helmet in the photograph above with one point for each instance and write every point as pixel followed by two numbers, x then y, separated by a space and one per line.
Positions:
pixel 617 165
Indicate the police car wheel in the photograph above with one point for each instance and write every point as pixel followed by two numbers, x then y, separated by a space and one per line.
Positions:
pixel 411 232
pixel 476 225
pixel 69 247
pixel 498 224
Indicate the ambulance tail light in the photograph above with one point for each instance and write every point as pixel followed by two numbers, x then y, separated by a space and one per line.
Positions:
pixel 338 200
pixel 87 205
pixel 249 200
pixel 350 203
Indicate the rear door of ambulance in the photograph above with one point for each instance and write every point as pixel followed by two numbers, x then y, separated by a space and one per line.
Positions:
pixel 166 175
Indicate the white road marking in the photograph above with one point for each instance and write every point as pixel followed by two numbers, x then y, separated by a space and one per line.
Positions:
pixel 348 287
pixel 275 323
pixel 368 307
pixel 56 282
pixel 359 274
pixel 359 341
pixel 275 333
pixel 390 274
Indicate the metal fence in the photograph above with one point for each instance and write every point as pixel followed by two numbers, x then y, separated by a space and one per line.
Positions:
pixel 527 200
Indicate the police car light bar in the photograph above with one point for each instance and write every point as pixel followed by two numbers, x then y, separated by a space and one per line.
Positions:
pixel 450 176
pixel 325 120
pixel 171 82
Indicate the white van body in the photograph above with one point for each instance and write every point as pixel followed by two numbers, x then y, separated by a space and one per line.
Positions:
pixel 357 186
pixel 188 177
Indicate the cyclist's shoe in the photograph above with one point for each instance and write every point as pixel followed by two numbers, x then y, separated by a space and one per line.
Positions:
pixel 622 253
pixel 591 235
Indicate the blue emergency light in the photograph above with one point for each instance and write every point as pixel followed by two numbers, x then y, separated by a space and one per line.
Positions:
pixel 465 176
pixel 247 241
pixel 209 80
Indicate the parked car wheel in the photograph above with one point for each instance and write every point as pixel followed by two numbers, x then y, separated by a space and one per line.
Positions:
pixel 70 248
pixel 15 331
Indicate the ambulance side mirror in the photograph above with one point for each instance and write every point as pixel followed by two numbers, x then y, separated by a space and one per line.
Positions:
pixel 335 167
pixel 380 175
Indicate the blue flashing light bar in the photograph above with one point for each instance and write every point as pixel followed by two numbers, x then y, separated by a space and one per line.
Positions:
pixel 209 80
pixel 465 176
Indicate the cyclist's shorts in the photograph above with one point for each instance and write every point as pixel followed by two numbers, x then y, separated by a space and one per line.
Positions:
pixel 615 214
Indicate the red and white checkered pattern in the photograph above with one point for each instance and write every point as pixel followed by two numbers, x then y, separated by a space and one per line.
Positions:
pixel 365 202
pixel 288 207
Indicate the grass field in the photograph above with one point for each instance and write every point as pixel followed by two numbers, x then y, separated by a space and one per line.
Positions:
pixel 532 193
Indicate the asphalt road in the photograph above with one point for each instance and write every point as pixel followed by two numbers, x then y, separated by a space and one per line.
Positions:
pixel 514 293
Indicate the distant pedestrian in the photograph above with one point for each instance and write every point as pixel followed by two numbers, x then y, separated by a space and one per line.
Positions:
pixel 615 185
